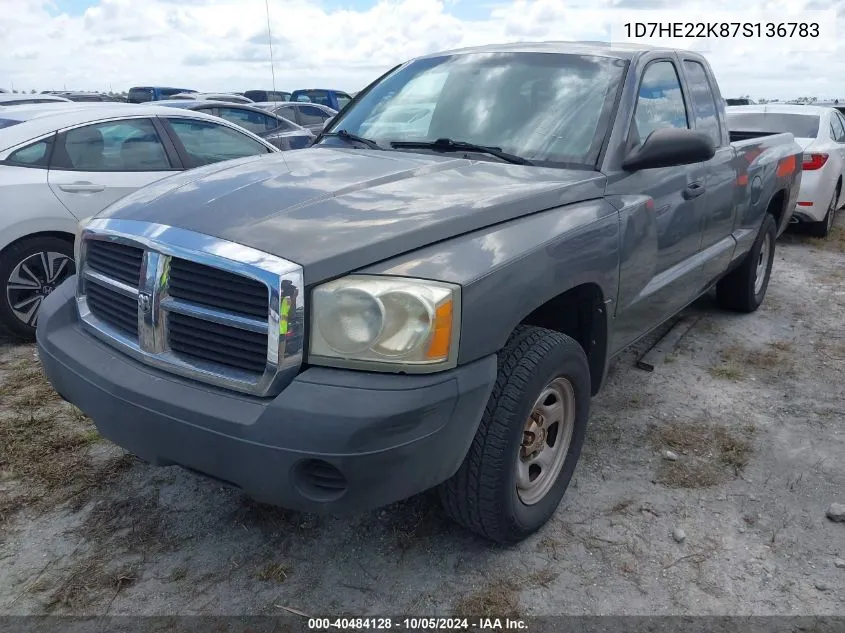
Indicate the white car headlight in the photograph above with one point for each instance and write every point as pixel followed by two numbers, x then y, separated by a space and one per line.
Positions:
pixel 385 324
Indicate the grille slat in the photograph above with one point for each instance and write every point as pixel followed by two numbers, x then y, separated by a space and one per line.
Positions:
pixel 118 261
pixel 215 343
pixel 215 288
pixel 113 308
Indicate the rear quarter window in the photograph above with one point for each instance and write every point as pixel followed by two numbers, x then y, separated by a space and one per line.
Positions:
pixel 35 154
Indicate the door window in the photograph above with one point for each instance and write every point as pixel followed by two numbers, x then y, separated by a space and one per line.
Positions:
pixel 660 103
pixel 311 115
pixel 207 142
pixel 255 122
pixel 128 145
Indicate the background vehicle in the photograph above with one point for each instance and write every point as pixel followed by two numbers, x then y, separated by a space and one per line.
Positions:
pixel 311 116
pixel 333 99
pixel 739 101
pixel 267 95
pixel 211 96
pixel 83 97
pixel 61 164
pixel 13 99
pixel 282 133
pixel 430 309
pixel 142 94
pixel 820 132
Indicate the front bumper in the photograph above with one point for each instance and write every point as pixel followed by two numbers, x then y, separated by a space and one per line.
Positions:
pixel 334 441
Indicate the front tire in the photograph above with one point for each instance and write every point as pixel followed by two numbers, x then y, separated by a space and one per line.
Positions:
pixel 744 288
pixel 529 440
pixel 30 270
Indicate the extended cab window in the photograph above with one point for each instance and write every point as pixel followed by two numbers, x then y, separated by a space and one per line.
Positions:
pixel 704 105
pixel 660 103
pixel 33 155
pixel 207 142
pixel 128 145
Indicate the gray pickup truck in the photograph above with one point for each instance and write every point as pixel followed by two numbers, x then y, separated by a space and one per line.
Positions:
pixel 430 295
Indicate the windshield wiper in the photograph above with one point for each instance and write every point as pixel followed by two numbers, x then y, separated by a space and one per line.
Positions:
pixel 349 136
pixel 450 145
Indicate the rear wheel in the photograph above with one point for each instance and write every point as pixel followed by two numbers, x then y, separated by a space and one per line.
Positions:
pixel 744 288
pixel 29 271
pixel 529 439
pixel 822 229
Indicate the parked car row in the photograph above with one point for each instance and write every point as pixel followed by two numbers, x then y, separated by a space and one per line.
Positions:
pixel 334 99
pixel 59 164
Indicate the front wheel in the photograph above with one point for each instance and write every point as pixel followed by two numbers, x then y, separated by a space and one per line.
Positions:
pixel 529 440
pixel 29 271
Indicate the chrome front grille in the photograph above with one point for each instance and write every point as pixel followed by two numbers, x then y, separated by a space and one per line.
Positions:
pixel 191 304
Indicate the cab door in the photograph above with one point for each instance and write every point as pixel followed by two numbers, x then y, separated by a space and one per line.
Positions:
pixel 658 269
pixel 719 200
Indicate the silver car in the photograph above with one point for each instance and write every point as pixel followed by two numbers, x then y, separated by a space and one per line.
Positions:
pixel 60 163
pixel 311 116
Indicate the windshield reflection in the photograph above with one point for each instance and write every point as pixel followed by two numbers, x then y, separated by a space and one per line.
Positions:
pixel 544 107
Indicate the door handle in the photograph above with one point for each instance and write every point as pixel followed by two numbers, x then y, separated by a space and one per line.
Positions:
pixel 693 190
pixel 82 187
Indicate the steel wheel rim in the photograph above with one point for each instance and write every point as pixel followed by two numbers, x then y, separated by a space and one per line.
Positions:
pixel 546 437
pixel 32 280
pixel 762 262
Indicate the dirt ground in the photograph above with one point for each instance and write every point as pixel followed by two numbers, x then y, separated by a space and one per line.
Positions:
pixel 752 408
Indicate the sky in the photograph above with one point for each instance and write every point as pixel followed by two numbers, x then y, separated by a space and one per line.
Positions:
pixel 222 45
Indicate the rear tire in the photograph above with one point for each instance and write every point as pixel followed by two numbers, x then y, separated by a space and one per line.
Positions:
pixel 535 422
pixel 744 288
pixel 30 270
pixel 822 229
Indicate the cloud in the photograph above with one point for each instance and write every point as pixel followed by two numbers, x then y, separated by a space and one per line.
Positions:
pixel 222 44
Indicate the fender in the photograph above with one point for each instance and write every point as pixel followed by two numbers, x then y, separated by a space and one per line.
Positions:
pixel 536 258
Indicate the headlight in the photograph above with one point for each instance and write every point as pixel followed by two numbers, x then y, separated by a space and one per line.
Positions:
pixel 385 324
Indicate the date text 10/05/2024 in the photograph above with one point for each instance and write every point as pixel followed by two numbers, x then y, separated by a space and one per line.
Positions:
pixel 417 624
pixel 778 30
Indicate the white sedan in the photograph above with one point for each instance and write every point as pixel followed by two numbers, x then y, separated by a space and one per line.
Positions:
pixel 820 131
pixel 60 163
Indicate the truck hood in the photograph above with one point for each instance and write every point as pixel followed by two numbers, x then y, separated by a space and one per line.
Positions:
pixel 334 210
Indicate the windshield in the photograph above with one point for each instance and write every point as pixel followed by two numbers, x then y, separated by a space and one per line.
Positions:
pixel 544 107
pixel 800 125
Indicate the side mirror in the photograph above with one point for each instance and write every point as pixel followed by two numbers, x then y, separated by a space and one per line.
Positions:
pixel 327 122
pixel 670 147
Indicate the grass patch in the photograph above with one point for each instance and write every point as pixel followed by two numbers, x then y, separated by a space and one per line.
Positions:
pixel 89 579
pixel 275 572
pixel 24 385
pixel 709 454
pixel 777 358
pixel 498 598
pixel 726 372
